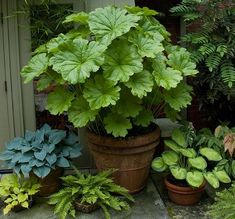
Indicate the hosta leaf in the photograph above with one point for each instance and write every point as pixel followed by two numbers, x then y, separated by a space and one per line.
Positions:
pixel 110 22
pixel 80 113
pixel 76 59
pixel 25 204
pixel 42 171
pixel 178 137
pixel 121 61
pixel 188 152
pixel 59 101
pixel 51 159
pixel 36 66
pixel 159 165
pixel 80 17
pixel 178 97
pixel 22 197
pixel 101 92
pixel 222 176
pixel 140 83
pixel 210 154
pixel 195 178
pixel 144 118
pixel 172 145
pixel 40 155
pixel 211 179
pixel 62 162
pixel 117 125
pixel 170 157
pixel 178 172
pixel 198 163
pixel 145 44
pixel 128 105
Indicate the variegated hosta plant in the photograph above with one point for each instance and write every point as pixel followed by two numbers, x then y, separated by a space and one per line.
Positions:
pixel 111 69
pixel 186 160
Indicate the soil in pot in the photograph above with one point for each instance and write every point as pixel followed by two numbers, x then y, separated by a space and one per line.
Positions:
pixel 85 208
pixel 131 156
pixel 19 208
pixel 181 193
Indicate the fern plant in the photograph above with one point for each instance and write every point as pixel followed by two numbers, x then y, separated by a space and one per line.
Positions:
pixel 212 44
pixel 224 206
pixel 89 189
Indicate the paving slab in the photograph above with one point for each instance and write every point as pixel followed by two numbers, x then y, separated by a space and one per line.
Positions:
pixel 148 205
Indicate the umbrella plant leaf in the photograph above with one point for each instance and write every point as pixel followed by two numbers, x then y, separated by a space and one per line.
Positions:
pixel 59 100
pixel 178 137
pixel 76 59
pixel 159 165
pixel 210 154
pixel 140 83
pixel 178 97
pixel 117 125
pixel 195 178
pixel 79 17
pixel 211 179
pixel 80 113
pixel 170 158
pixel 121 62
pixel 198 163
pixel 36 66
pixel 110 22
pixel 141 11
pixel 178 172
pixel 144 118
pixel 101 92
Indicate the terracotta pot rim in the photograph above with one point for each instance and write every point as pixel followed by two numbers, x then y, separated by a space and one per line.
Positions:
pixel 183 189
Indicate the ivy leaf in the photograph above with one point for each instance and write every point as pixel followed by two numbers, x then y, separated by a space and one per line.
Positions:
pixel 128 105
pixel 101 92
pixel 121 61
pixel 117 125
pixel 36 66
pixel 140 83
pixel 178 97
pixel 110 22
pixel 80 17
pixel 146 45
pixel 59 101
pixel 80 113
pixel 144 118
pixel 76 59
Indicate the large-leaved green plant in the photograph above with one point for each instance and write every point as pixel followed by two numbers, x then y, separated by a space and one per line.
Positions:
pixel 111 69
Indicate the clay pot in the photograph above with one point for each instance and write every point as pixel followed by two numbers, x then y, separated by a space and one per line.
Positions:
pixel 184 195
pixel 85 208
pixel 51 183
pixel 131 157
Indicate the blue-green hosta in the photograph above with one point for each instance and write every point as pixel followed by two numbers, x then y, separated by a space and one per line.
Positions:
pixel 186 160
pixel 41 151
pixel 111 69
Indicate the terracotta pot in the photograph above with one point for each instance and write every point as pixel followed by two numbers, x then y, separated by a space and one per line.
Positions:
pixel 51 183
pixel 131 157
pixel 184 195
pixel 85 208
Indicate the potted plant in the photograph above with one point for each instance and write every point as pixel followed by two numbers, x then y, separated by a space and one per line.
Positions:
pixel 188 166
pixel 85 192
pixel 108 73
pixel 43 154
pixel 17 193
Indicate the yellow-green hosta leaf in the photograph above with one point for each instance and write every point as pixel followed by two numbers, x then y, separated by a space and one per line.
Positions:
pixel 36 66
pixel 25 204
pixel 110 22
pixel 170 158
pixel 179 97
pixel 178 137
pixel 211 179
pixel 222 176
pixel 79 17
pixel 80 113
pixel 210 154
pixel 188 152
pixel 101 92
pixel 7 209
pixel 140 83
pixel 159 165
pixel 172 145
pixel 22 197
pixel 178 172
pixel 59 101
pixel 198 163
pixel 76 59
pixel 195 178
pixel 144 118
pixel 121 61
pixel 117 125
pixel 146 45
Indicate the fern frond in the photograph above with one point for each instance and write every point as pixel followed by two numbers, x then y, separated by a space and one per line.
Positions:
pixel 182 9
pixel 207 49
pixel 228 73
pixel 213 61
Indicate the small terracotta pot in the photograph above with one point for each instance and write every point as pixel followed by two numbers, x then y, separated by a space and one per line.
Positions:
pixel 85 208
pixel 184 195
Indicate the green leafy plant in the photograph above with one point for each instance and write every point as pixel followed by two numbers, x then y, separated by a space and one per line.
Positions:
pixel 89 189
pixel 187 161
pixel 223 141
pixel 111 69
pixel 41 151
pixel 16 191
pixel 211 40
pixel 224 206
